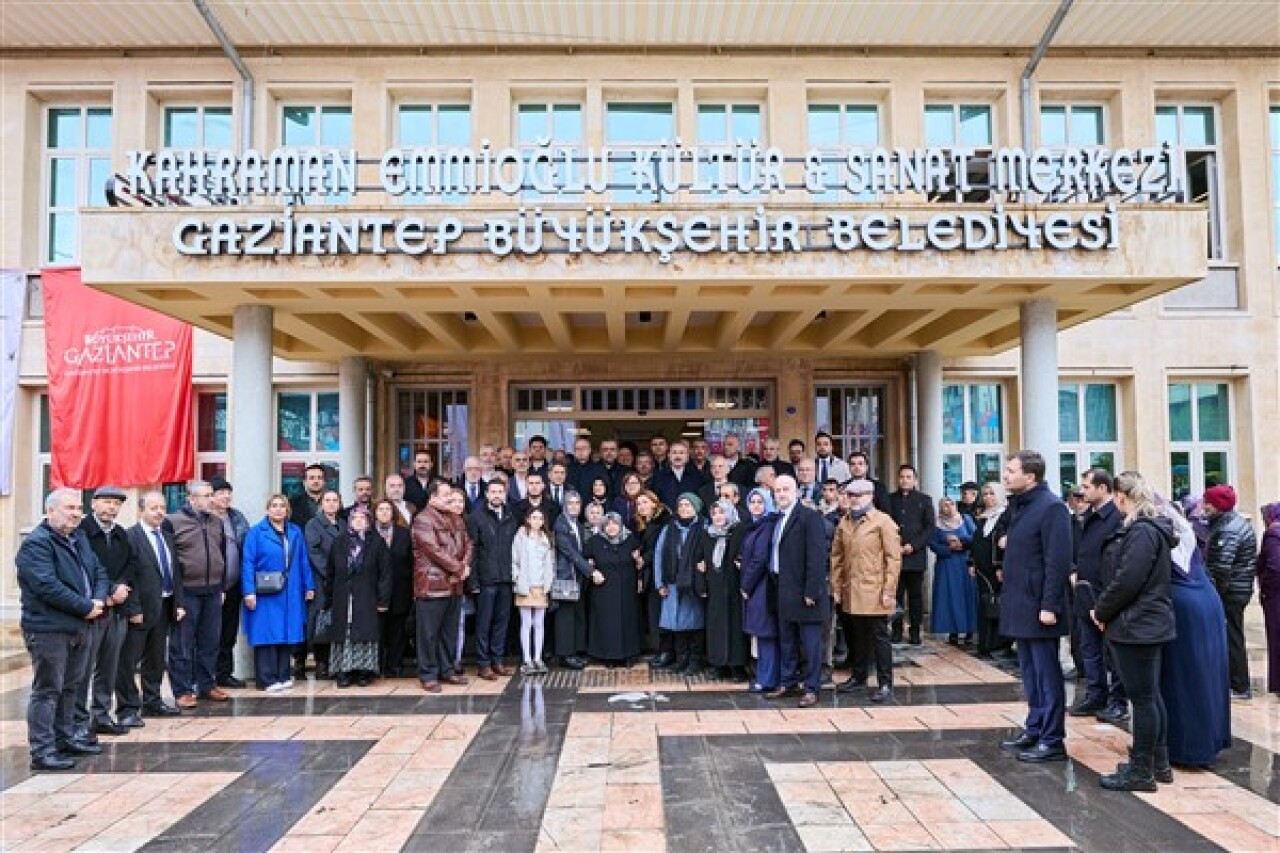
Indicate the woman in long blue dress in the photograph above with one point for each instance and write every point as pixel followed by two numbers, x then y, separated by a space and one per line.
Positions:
pixel 955 598
pixel 1194 677
pixel 683 588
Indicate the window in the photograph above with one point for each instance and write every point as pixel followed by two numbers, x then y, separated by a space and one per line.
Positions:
pixel 854 416
pixel 306 432
pixel 307 126
pixel 44 461
pixel 77 164
pixel 1087 429
pixel 435 420
pixel 836 127
pixel 429 126
pixel 1194 128
pixel 549 126
pixel 1072 125
pixel 963 126
pixel 629 125
pixel 1199 436
pixel 197 127
pixel 972 434
pixel 720 128
pixel 211 434
pixel 1275 177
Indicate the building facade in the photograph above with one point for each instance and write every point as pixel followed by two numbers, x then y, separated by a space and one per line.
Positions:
pixel 1159 353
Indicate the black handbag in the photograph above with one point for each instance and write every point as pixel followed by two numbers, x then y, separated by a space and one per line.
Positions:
pixel 269 583
pixel 989 600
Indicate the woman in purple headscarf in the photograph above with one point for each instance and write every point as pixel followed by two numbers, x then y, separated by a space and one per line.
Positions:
pixel 1269 590
pixel 358 589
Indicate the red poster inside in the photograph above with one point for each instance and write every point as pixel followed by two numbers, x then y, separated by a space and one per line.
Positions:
pixel 119 388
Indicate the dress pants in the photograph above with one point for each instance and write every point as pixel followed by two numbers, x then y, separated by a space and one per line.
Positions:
pixel 395 628
pixel 911 599
pixel 271 664
pixel 793 637
pixel 436 627
pixel 60 670
pixel 107 664
pixel 95 637
pixel 229 633
pixel 569 624
pixel 768 662
pixel 868 638
pixel 493 612
pixel 193 648
pixel 1237 657
pixel 1046 693
pixel 144 649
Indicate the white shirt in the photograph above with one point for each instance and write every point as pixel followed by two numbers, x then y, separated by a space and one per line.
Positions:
pixel 156 543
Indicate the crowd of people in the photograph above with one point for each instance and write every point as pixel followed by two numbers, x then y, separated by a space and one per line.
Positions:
pixel 765 570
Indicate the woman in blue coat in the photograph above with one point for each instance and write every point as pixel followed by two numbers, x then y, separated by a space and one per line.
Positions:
pixel 275 622
pixel 760 590
pixel 955 600
pixel 683 584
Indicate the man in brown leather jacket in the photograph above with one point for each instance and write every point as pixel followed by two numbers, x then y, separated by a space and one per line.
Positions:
pixel 441 563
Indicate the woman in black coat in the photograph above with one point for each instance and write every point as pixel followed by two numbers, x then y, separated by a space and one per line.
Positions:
pixel 358 589
pixel 569 639
pixel 1135 614
pixel 398 621
pixel 614 633
pixel 650 520
pixel 722 553
pixel 987 557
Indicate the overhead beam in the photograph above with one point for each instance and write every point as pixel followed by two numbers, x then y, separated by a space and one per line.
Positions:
pixel 398 335
pixel 788 325
pixel 558 329
pixel 839 335
pixel 325 337
pixel 893 328
pixel 676 326
pixel 447 329
pixel 502 327
pixel 731 325
pixel 615 321
pixel 953 331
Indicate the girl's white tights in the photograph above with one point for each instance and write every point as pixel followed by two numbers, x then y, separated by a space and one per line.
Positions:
pixel 532 632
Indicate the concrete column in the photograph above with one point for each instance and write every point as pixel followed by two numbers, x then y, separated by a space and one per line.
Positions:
pixel 929 426
pixel 352 373
pixel 1039 384
pixel 249 402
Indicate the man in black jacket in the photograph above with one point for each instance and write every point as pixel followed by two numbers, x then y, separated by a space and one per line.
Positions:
pixel 306 505
pixel 417 488
pixel 912 511
pixel 678 477
pixel 1098 523
pixel 157 601
pixel 537 498
pixel 63 585
pixel 1232 557
pixel 106 633
pixel 860 469
pixel 493 529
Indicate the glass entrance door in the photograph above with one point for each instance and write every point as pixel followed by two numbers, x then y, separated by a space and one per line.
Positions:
pixel 854 414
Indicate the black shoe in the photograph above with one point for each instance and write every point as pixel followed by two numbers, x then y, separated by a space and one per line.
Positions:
pixel 953 639
pixel 364 679
pixel 343 680
pixel 230 681
pixel 575 663
pixel 1131 777
pixel 1114 714
pixel 1019 743
pixel 132 721
pixel 108 726
pixel 884 694
pixel 300 672
pixel 161 710
pixel 1042 753
pixel 1241 695
pixel 915 640
pixel 895 637
pixel 1086 708
pixel 851 684
pixel 85 736
pixel 663 660
pixel 79 747
pixel 51 763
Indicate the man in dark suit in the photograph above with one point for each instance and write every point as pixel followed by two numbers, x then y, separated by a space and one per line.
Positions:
pixel 583 469
pixel 306 505
pixel 472 483
pixel 678 477
pixel 771 454
pixel 537 498
pixel 1033 611
pixel 93 710
pixel 742 469
pixel 860 469
pixel 912 510
pixel 417 488
pixel 798 558
pixel 157 597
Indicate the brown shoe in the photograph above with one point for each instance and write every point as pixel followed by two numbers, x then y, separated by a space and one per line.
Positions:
pixel 783 692
pixel 456 680
pixel 431 686
pixel 808 700
pixel 187 702
pixel 504 670
pixel 488 674
pixel 217 694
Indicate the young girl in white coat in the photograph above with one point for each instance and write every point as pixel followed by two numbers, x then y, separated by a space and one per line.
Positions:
pixel 533 568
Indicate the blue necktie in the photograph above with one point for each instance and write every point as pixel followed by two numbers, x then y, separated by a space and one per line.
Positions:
pixel 777 537
pixel 166 573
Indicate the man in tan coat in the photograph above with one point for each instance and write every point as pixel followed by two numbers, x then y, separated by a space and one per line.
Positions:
pixel 866 557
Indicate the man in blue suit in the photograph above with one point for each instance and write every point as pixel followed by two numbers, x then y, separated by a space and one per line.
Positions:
pixel 1037 563
pixel 798 559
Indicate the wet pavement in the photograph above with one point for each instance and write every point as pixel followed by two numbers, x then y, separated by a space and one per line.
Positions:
pixel 626 760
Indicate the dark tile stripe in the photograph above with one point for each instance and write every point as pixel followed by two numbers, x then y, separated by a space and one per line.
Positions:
pixel 735 697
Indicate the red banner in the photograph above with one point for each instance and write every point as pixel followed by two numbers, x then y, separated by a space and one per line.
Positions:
pixel 119 388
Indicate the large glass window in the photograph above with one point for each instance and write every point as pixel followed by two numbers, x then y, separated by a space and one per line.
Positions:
pixel 432 125
pixel 1194 128
pixel 958 125
pixel 637 124
pixel 1275 177
pixel 77 163
pixel 197 127
pixel 1072 125
pixel 1088 435
pixel 211 434
pixel 437 420
pixel 835 127
pixel 973 442
pixel 720 128
pixel 1201 453
pixel 549 126
pixel 306 432
pixel 329 126
pixel 854 415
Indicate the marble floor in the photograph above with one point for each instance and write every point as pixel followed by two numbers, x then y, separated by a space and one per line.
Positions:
pixel 626 760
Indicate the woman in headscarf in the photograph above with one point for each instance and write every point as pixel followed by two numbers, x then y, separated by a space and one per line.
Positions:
pixel 954 610
pixel 722 551
pixel 570 618
pixel 599 492
pixel 680 569
pixel 357 590
pixel 320 533
pixel 613 635
pixel 1269 590
pixel 987 557
pixel 397 622
pixel 1194 675
pixel 650 520
pixel 759 590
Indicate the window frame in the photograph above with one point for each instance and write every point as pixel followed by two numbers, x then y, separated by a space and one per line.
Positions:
pixel 1273 132
pixel 626 193
pixel 319 105
pixel 1084 448
pixel 201 108
pixel 968 450
pixel 842 106
pixel 981 153
pixel 1216 203
pixel 578 169
pixel 1196 448
pixel 84 157
pixel 435 446
pixel 328 458
pixel 730 105
pixel 875 446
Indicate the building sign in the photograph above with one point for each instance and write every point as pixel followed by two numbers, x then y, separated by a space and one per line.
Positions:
pixel 834 199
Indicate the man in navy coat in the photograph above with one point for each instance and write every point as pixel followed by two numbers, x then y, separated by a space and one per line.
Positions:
pixel 1037 563
pixel 798 559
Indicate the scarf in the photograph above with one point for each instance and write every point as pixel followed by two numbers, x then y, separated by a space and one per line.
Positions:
pixel 677 553
pixel 767 497
pixel 859 514
pixel 721 534
pixel 623 534
pixel 387 532
pixel 1271 514
pixel 989 519
pixel 954 523
pixel 358 540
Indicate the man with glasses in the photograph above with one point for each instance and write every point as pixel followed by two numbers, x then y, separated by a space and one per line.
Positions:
pixel 193 653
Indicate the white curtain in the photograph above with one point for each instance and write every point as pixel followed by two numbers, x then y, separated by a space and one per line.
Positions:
pixel 13 293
